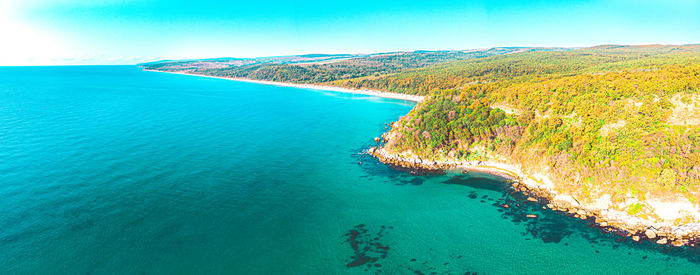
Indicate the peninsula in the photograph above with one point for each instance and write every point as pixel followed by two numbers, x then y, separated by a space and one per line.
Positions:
pixel 610 133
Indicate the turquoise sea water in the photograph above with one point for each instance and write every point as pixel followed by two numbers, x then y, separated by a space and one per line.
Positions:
pixel 112 170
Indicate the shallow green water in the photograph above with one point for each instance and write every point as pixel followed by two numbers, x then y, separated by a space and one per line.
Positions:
pixel 113 170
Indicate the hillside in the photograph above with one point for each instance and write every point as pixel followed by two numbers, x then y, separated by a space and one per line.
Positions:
pixel 325 68
pixel 612 114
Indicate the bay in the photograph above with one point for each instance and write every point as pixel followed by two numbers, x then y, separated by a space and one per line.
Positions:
pixel 110 169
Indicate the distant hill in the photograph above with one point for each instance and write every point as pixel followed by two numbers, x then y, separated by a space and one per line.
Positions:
pixel 314 68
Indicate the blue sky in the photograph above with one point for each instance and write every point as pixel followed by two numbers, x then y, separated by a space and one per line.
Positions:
pixel 41 32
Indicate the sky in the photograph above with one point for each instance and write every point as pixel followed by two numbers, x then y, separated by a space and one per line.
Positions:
pixel 76 32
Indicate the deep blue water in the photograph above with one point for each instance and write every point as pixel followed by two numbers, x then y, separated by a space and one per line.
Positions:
pixel 114 170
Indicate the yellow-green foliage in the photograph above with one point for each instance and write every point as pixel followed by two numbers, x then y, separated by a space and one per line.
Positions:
pixel 635 208
pixel 599 112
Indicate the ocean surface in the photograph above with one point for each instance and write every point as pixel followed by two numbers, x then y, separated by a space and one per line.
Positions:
pixel 113 170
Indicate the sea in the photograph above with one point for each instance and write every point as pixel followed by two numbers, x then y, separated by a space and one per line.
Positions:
pixel 116 170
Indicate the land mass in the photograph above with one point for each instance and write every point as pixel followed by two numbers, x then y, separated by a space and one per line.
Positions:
pixel 610 133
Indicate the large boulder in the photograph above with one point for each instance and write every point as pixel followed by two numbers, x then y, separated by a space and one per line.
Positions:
pixel 650 233
pixel 562 199
pixel 662 241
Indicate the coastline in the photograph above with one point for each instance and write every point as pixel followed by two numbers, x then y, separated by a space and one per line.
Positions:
pixel 412 98
pixel 539 188
pixel 536 187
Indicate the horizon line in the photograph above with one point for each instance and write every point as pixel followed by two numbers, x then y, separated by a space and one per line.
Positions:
pixel 371 53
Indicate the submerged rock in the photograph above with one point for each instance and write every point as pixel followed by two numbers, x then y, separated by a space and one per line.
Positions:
pixel 662 241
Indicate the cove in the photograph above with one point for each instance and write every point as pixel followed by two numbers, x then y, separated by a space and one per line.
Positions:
pixel 110 169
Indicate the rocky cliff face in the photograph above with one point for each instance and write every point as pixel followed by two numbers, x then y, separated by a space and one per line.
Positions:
pixel 674 220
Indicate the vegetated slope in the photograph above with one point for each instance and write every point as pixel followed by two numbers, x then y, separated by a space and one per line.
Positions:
pixel 325 68
pixel 524 66
pixel 602 120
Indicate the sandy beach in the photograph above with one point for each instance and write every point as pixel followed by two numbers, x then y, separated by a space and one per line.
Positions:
pixel 413 98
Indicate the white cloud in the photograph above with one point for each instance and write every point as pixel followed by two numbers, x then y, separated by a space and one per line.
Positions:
pixel 24 44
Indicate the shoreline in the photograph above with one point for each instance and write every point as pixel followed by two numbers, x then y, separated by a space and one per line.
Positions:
pixel 536 187
pixel 412 98
pixel 541 191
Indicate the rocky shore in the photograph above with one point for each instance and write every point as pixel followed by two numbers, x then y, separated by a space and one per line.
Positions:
pixel 539 189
